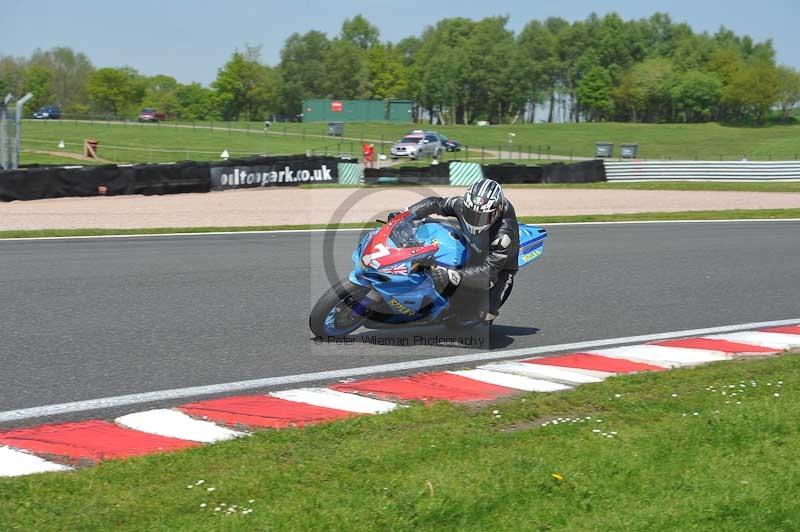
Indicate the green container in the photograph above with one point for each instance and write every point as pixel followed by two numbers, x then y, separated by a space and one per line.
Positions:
pixel 357 110
pixel 400 111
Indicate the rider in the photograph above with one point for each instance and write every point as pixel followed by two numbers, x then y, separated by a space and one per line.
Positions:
pixel 490 224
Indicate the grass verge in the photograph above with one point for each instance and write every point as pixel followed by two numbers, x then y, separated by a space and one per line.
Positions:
pixel 757 214
pixel 707 448
pixel 662 185
pixel 205 140
pixel 685 185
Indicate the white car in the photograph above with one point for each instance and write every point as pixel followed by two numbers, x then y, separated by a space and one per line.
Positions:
pixel 418 144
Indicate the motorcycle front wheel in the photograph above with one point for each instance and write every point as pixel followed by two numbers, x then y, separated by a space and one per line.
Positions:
pixel 334 315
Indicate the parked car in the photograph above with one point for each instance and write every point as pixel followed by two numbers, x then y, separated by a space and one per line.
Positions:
pixel 48 112
pixel 417 144
pixel 449 144
pixel 151 115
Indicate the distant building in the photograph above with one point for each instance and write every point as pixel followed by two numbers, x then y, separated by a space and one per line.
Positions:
pixel 358 111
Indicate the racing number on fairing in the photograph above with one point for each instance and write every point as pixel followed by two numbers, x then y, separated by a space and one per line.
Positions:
pixel 379 251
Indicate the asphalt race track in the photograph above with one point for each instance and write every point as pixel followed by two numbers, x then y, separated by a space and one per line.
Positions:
pixel 91 318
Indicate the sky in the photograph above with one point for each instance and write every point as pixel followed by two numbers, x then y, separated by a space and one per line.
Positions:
pixel 190 40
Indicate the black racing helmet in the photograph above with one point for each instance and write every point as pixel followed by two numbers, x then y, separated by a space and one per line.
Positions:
pixel 483 204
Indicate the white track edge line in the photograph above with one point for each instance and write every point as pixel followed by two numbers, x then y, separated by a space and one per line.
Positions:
pixel 279 231
pixel 199 233
pixel 179 393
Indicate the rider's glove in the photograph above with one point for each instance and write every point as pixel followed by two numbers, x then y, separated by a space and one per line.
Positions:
pixel 445 281
pixel 392 215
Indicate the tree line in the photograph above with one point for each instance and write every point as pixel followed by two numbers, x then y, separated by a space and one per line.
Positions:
pixel 457 71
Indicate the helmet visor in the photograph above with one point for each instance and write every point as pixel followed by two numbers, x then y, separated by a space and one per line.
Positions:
pixel 478 221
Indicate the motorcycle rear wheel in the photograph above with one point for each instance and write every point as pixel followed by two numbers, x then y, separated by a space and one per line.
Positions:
pixel 333 315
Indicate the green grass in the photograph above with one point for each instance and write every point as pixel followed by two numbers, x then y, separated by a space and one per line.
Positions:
pixel 137 143
pixel 669 141
pixel 732 214
pixel 448 467
pixel 684 185
pixel 474 156
pixel 642 216
pixel 676 141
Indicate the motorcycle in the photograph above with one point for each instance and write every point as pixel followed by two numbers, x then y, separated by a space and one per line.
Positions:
pixel 391 283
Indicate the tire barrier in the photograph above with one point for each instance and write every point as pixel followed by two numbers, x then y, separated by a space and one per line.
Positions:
pixel 513 173
pixel 582 172
pixel 29 184
pixel 437 174
pixel 702 170
pixel 174 178
pixel 158 179
pixel 262 171
pixel 93 181
pixel 458 173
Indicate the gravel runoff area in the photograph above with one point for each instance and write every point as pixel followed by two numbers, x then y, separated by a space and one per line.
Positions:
pixel 290 206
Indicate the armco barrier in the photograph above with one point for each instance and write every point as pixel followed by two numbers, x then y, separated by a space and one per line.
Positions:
pixel 702 170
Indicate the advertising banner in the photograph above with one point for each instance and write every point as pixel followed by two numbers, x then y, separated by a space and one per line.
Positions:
pixel 282 173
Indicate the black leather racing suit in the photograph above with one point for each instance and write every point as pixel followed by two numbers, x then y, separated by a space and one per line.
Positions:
pixel 493 253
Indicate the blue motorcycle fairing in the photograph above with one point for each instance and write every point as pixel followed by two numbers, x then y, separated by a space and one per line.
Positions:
pixel 410 294
pixel 531 243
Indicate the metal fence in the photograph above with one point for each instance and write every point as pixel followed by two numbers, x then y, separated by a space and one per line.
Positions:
pixel 8 134
pixel 702 170
pixel 11 129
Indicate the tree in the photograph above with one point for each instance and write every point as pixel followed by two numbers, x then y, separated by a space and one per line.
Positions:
pixel 70 72
pixel 594 93
pixel 38 81
pixel 407 49
pixel 457 70
pixel 696 95
pixel 788 90
pixel 245 87
pixel 12 72
pixel 388 76
pixel 346 73
pixel 360 32
pixel 753 89
pixel 115 90
pixel 160 93
pixel 439 71
pixel 302 70
pixel 494 86
pixel 196 102
pixel 646 90
pixel 724 62
pixel 542 69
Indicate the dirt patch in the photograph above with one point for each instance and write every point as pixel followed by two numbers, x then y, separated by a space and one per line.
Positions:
pixel 71 155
